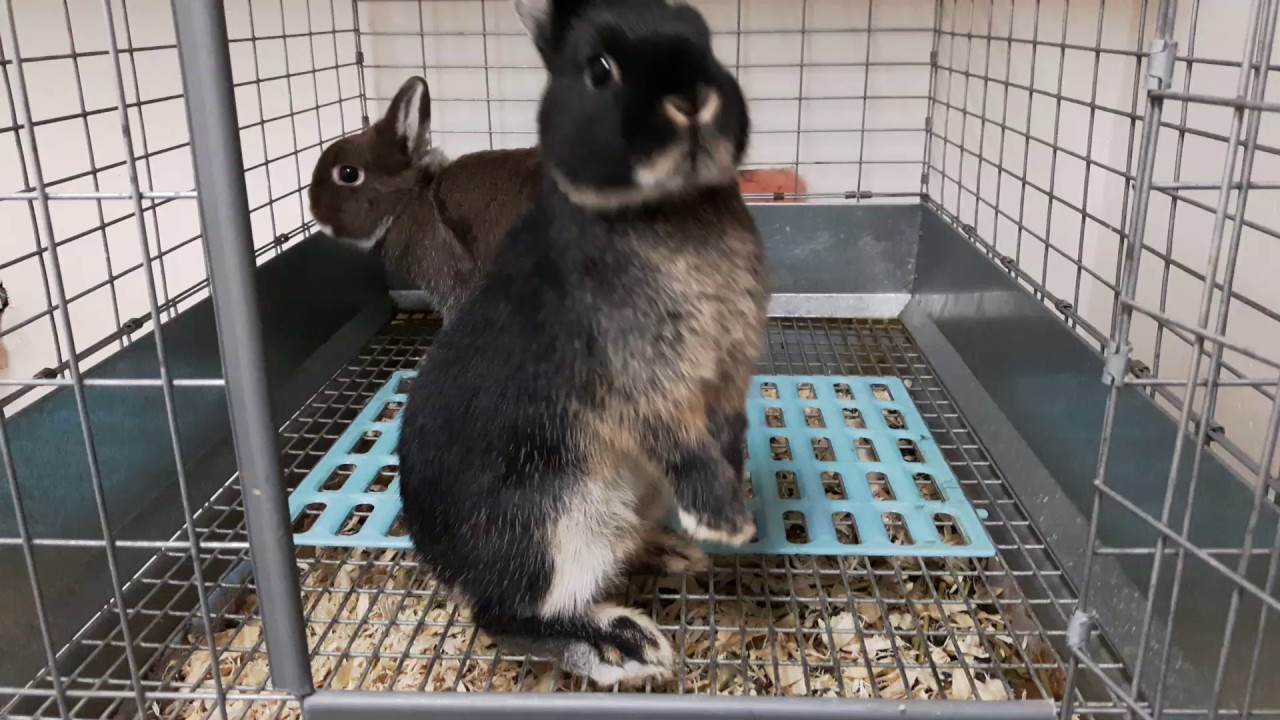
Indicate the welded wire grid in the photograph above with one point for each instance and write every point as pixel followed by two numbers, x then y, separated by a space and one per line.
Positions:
pixel 1035 143
pixel 970 629
pixel 83 202
pixel 1045 133
pixel 1115 157
pixel 102 244
pixel 838 89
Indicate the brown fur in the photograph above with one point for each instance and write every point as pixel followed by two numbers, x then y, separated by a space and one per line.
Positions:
pixel 449 218
pixel 441 265
pixel 481 196
pixel 672 393
pixel 668 390
pixel 435 223
pixel 666 552
pixel 476 198
pixel 725 310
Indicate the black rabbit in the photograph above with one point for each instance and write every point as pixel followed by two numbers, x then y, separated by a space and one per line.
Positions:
pixel 599 371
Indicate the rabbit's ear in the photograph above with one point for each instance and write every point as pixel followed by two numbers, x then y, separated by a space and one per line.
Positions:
pixel 545 20
pixel 408 119
pixel 536 17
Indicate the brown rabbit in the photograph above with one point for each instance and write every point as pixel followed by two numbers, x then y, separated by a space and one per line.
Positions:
pixel 480 197
pixel 435 222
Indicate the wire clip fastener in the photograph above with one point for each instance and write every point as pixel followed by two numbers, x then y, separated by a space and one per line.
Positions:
pixel 1080 628
pixel 1115 365
pixel 1160 62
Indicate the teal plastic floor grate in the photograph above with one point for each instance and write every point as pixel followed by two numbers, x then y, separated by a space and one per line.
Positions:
pixel 837 466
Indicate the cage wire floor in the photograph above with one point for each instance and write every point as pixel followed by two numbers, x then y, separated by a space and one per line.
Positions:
pixel 890 628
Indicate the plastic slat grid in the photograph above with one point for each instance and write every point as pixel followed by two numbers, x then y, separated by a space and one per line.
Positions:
pixel 822 475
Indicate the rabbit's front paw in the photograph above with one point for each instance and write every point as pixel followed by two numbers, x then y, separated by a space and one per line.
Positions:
pixel 723 528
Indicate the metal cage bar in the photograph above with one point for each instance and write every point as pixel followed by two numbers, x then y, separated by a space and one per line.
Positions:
pixel 206 68
pixel 1069 141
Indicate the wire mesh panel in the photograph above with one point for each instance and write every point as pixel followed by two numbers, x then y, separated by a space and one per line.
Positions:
pixel 891 628
pixel 1120 160
pixel 101 244
pixel 1035 145
pixel 838 90
pixel 81 75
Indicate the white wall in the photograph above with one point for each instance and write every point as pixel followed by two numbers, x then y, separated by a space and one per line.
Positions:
pixel 763 41
pixel 303 95
pixel 1032 220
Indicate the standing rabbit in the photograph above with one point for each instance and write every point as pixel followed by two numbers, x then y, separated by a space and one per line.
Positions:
pixel 435 222
pixel 599 372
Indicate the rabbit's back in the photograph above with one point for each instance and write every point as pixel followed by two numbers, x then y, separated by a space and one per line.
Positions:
pixel 481 196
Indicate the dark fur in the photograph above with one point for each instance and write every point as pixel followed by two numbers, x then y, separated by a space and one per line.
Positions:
pixel 449 217
pixel 599 370
pixel 481 196
pixel 4 305
pixel 594 143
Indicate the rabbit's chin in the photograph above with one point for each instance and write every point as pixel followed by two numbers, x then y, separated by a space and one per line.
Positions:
pixel 667 174
pixel 363 244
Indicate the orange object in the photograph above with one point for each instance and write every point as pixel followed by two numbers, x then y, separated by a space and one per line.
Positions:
pixel 771 181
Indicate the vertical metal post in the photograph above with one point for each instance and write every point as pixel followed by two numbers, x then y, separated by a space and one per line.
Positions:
pixel 364 93
pixel 162 357
pixel 926 159
pixel 224 216
pixel 63 310
pixel 1254 67
pixel 1082 619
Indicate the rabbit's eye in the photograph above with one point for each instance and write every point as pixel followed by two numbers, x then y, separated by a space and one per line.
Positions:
pixel 348 175
pixel 600 72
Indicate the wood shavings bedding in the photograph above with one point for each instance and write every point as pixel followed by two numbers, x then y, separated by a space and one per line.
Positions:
pixel 894 628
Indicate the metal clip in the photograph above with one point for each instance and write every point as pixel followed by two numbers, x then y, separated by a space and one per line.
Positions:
pixel 1160 63
pixel 1115 365
pixel 1216 432
pixel 1079 628
pixel 1139 369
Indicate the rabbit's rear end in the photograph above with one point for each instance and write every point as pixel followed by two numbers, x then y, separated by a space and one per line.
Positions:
pixel 598 373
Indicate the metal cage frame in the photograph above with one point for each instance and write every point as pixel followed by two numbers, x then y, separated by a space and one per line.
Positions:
pixel 976 181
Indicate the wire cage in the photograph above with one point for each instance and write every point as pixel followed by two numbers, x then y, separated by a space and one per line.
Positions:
pixel 1055 220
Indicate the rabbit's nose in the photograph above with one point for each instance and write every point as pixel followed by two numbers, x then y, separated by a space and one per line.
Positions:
pixel 684 111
